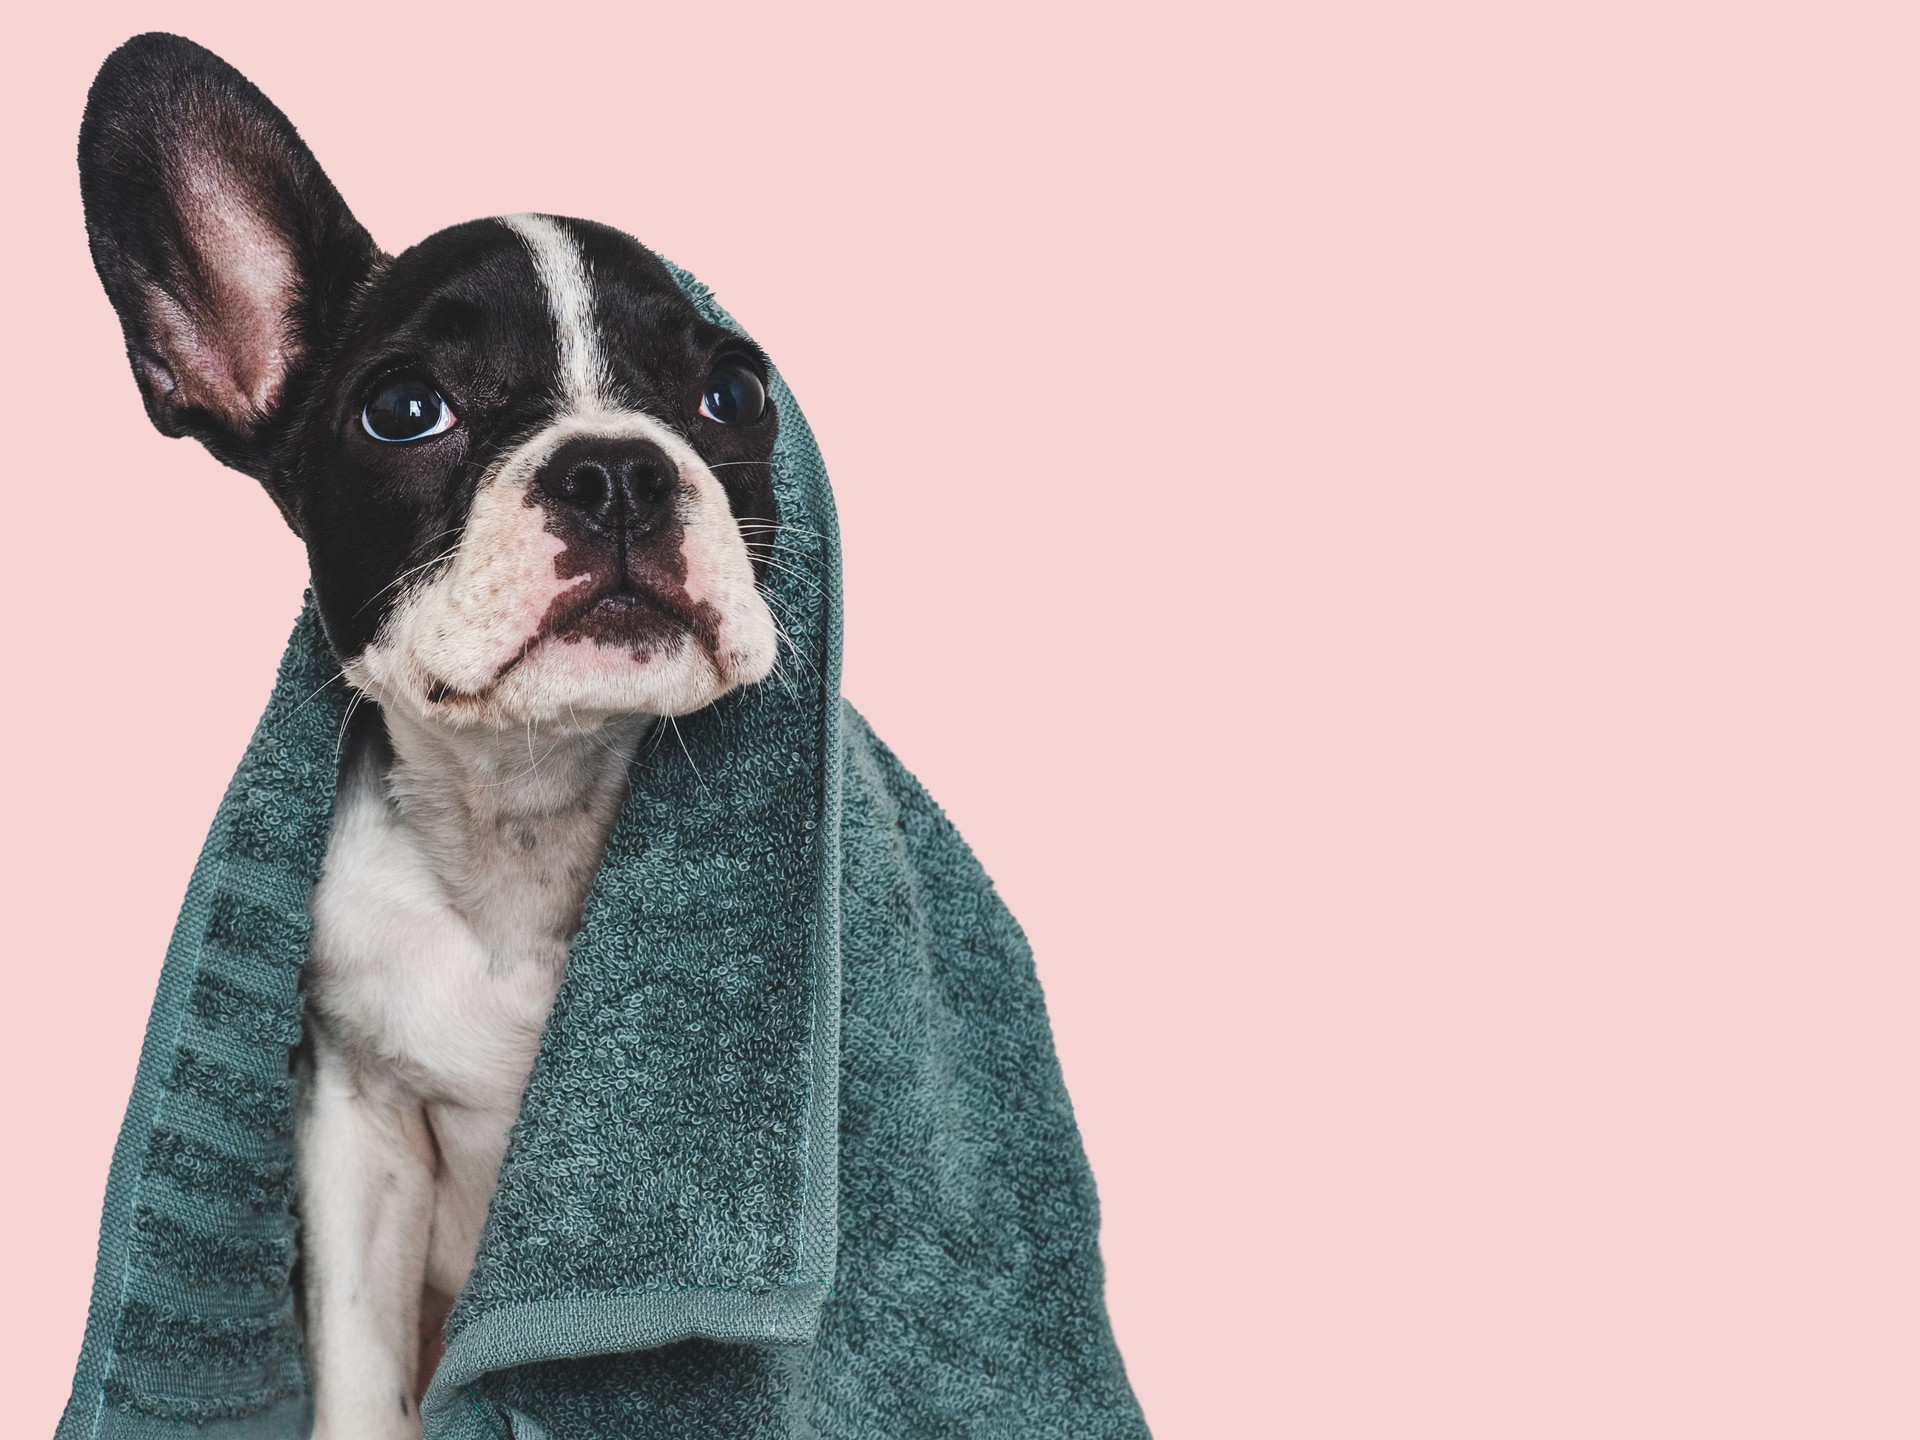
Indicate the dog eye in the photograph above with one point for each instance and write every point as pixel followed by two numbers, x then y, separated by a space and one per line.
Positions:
pixel 406 408
pixel 735 394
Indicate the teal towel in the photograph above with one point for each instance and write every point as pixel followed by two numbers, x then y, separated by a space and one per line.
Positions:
pixel 795 1158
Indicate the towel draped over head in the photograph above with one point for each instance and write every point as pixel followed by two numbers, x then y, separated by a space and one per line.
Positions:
pixel 795 1158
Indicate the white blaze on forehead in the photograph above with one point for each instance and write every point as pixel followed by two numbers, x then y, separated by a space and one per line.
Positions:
pixel 563 272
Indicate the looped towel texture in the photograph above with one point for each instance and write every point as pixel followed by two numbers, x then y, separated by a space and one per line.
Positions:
pixel 795 1158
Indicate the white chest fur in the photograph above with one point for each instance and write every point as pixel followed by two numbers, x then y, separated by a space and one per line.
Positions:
pixel 452 889
pixel 454 880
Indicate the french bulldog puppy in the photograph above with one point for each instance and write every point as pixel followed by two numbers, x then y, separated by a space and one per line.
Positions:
pixel 534 488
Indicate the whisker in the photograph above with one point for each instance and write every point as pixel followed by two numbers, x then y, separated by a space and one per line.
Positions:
pixel 751 523
pixel 450 552
pixel 758 542
pixel 345 721
pixel 799 576
pixel 769 522
pixel 594 736
pixel 779 671
pixel 686 752
pixel 659 733
pixel 773 560
pixel 337 675
pixel 792 644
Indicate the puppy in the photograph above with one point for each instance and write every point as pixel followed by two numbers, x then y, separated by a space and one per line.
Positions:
pixel 534 488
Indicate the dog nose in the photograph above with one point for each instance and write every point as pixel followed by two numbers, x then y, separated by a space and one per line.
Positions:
pixel 615 486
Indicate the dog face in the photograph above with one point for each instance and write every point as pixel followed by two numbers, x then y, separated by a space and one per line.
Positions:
pixel 528 477
pixel 533 481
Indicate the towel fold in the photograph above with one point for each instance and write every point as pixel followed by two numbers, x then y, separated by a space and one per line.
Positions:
pixel 795 1158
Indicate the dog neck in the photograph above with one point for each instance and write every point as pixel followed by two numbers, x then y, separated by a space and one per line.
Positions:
pixel 511 824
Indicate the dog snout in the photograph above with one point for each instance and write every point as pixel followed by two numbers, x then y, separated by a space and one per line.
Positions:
pixel 620 488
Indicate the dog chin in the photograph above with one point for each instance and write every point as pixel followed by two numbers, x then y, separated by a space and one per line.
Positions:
pixel 566 679
pixel 573 680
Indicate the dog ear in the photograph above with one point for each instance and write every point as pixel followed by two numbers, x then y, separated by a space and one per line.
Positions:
pixel 224 247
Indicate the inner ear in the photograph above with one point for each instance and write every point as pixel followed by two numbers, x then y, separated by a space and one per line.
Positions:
pixel 225 344
pixel 227 252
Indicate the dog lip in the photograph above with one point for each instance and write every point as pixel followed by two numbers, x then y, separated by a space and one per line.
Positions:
pixel 616 596
pixel 620 593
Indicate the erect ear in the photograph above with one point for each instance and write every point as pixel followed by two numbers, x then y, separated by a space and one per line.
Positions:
pixel 228 253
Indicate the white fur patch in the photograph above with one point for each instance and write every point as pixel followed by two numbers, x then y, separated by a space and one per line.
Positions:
pixel 563 271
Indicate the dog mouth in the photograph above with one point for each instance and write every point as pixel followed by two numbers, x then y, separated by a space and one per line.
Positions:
pixel 622 611
pixel 617 611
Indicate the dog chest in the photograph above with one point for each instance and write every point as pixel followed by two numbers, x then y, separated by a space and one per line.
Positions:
pixel 442 922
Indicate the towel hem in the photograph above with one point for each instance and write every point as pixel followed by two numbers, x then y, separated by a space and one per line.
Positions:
pixel 86 1416
pixel 288 1419
pixel 540 1330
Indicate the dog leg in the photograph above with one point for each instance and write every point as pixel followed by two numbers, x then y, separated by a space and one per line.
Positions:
pixel 472 1141
pixel 366 1171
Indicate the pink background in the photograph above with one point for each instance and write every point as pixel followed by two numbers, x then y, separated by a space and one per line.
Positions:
pixel 1418 618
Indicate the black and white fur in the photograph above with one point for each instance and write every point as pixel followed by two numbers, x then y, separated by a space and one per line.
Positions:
pixel 519 595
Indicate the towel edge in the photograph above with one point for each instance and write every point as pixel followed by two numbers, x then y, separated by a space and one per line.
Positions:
pixel 536 1331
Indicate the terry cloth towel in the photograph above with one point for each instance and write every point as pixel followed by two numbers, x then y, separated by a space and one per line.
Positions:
pixel 795 1158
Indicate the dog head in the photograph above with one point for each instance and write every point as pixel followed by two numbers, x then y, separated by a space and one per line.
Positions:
pixel 534 483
